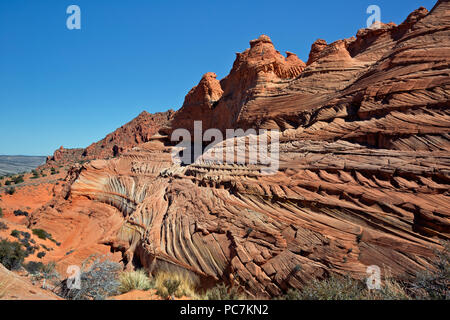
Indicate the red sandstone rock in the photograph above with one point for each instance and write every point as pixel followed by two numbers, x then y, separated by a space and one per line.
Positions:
pixel 363 180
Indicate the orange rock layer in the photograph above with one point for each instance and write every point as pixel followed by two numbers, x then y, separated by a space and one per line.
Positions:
pixel 363 179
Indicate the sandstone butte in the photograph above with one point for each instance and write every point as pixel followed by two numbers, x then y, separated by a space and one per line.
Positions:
pixel 363 178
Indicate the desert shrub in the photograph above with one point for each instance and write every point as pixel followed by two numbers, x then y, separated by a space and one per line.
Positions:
pixel 171 286
pixel 42 234
pixel 1 213
pixel 24 239
pixel 18 179
pixel 134 280
pixel 292 294
pixel 11 254
pixel 333 288
pixel 35 174
pixel 165 281
pixel 20 213
pixel 3 226
pixel 98 281
pixel 11 190
pixel 8 182
pixel 434 284
pixel 222 292
pixel 33 267
pixel 46 248
pixel 15 233
pixel 41 254
pixel 46 272
pixel 346 288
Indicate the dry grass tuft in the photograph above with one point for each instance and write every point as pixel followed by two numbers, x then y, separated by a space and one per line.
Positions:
pixel 164 281
pixel 134 280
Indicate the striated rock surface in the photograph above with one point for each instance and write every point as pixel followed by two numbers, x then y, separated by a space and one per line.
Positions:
pixel 138 130
pixel 260 70
pixel 364 171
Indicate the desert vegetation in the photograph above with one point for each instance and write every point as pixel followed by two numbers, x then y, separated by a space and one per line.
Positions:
pixel 98 280
pixel 134 280
pixel 12 254
pixel 10 191
pixel 103 279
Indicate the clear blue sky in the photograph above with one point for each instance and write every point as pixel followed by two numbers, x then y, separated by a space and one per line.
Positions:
pixel 72 87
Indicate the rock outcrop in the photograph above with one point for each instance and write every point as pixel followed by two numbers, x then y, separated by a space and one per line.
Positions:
pixel 138 130
pixel 363 180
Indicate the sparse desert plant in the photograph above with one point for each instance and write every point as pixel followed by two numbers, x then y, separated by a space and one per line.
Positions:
pixel 15 234
pixel 346 288
pixel 18 179
pixel 333 288
pixel 45 272
pixel 171 286
pixel 165 281
pixel 1 213
pixel 99 279
pixel 41 254
pixel 42 234
pixel 21 213
pixel 33 267
pixel 222 292
pixel 134 280
pixel 11 254
pixel 434 284
pixel 11 190
pixel 3 226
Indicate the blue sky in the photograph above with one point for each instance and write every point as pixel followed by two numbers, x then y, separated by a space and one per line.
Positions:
pixel 72 87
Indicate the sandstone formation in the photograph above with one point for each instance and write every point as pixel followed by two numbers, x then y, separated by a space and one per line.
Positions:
pixel 138 130
pixel 17 288
pixel 364 171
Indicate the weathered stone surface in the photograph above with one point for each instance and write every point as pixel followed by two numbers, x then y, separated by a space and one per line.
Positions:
pixel 363 178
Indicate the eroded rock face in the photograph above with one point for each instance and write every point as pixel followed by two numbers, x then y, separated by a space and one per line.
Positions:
pixel 138 130
pixel 363 177
pixel 257 71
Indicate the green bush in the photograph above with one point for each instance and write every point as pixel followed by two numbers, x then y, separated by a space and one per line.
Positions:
pixel 18 179
pixel 11 254
pixel 20 213
pixel 10 191
pixel 1 213
pixel 42 234
pixel 35 174
pixel 15 233
pixel 33 267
